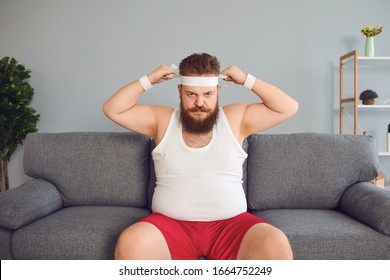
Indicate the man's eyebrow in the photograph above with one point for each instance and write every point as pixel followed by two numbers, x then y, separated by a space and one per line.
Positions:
pixel 187 91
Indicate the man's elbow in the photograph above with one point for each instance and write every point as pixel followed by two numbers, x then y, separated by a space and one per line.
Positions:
pixel 295 107
pixel 292 109
pixel 106 111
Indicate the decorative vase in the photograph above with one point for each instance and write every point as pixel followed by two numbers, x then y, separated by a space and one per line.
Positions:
pixel 370 46
pixel 368 101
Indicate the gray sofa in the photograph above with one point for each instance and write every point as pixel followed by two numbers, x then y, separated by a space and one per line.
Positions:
pixel 88 187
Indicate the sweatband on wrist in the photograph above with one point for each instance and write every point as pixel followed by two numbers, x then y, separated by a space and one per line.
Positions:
pixel 145 83
pixel 249 82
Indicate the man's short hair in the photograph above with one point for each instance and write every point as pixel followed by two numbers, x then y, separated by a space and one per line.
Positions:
pixel 199 64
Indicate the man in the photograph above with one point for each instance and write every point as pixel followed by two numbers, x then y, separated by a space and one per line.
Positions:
pixel 199 206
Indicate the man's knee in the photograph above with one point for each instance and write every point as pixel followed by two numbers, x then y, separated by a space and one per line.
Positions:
pixel 141 241
pixel 280 245
pixel 127 242
pixel 264 241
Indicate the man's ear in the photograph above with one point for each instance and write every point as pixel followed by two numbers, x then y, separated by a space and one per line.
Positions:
pixel 179 88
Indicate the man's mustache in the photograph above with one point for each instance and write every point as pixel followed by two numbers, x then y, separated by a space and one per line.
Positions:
pixel 199 109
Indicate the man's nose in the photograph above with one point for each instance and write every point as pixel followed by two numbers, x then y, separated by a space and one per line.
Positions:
pixel 199 101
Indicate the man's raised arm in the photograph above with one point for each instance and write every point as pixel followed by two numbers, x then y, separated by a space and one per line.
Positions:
pixel 275 108
pixel 122 107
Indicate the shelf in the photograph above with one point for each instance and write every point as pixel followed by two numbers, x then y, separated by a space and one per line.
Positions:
pixel 384 154
pixel 373 57
pixel 368 107
pixel 368 61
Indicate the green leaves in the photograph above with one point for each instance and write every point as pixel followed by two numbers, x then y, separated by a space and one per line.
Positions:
pixel 17 118
pixel 371 30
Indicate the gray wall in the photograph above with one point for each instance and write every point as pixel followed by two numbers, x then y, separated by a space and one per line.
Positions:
pixel 81 52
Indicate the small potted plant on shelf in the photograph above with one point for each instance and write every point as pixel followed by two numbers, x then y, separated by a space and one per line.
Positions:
pixel 370 31
pixel 368 97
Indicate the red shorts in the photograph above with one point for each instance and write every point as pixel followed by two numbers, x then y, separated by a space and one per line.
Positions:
pixel 216 240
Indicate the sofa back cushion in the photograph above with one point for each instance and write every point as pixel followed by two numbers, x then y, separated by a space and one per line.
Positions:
pixel 92 168
pixel 307 170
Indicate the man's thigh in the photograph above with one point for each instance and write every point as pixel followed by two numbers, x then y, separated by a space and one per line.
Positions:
pixel 181 237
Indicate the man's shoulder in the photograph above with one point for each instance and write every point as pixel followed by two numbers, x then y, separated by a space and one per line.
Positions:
pixel 163 116
pixel 234 114
pixel 162 111
pixel 234 110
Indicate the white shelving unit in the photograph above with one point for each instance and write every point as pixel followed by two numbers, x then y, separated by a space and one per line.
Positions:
pixel 352 59
pixel 356 61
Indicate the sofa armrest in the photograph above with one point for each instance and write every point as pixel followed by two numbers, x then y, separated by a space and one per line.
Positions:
pixel 368 204
pixel 30 201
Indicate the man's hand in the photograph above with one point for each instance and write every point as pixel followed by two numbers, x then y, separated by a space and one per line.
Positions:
pixel 234 74
pixel 160 74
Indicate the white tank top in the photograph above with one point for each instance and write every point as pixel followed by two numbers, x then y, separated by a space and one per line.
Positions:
pixel 199 184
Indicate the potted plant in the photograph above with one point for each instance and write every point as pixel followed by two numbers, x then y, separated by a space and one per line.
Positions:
pixel 370 31
pixel 368 97
pixel 17 118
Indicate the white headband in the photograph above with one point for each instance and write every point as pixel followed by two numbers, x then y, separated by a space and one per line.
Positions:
pixel 198 81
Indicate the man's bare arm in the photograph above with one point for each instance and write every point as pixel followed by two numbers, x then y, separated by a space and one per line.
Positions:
pixel 122 107
pixel 276 107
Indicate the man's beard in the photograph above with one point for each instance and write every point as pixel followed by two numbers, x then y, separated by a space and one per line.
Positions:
pixel 198 126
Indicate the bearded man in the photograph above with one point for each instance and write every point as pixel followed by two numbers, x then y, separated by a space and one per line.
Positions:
pixel 199 205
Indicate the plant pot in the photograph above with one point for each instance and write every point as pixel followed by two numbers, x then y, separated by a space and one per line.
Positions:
pixel 368 101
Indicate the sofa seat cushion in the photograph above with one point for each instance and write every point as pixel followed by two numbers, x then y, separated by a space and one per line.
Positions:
pixel 79 232
pixel 327 234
